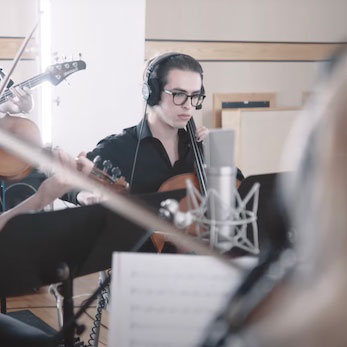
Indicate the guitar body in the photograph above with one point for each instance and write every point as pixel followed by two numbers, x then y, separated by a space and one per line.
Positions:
pixel 11 167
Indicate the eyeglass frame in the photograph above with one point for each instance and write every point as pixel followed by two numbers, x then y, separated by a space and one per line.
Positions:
pixel 170 92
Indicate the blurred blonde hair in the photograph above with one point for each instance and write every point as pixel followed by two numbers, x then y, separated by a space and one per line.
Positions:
pixel 313 309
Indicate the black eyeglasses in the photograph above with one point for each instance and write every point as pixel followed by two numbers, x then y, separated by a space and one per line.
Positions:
pixel 179 98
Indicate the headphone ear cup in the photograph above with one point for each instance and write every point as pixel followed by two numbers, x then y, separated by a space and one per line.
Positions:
pixel 145 91
pixel 154 95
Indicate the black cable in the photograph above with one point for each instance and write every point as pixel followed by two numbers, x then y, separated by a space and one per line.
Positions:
pixel 102 302
pixel 137 147
pixel 73 320
pixel 103 325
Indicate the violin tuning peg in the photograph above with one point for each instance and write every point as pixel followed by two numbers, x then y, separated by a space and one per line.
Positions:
pixel 165 214
pixel 97 160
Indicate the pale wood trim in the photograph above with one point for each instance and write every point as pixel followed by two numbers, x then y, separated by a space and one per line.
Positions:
pixel 244 51
pixel 9 47
pixel 219 98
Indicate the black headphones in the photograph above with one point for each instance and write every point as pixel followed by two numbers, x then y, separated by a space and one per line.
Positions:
pixel 151 87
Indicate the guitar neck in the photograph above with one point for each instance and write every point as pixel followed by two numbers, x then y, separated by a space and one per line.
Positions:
pixel 30 83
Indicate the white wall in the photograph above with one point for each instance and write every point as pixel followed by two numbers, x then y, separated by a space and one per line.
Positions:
pixel 106 97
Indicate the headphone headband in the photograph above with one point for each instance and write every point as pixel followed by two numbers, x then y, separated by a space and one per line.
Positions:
pixel 151 85
pixel 146 89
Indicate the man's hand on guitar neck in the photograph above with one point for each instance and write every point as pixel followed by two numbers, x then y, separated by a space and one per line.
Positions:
pixel 22 101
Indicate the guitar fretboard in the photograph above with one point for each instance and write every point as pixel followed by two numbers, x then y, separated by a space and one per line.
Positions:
pixel 31 83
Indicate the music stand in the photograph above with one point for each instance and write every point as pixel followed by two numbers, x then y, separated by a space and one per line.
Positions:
pixel 44 248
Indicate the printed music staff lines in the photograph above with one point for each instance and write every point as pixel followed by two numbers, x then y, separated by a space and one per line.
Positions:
pixel 167 300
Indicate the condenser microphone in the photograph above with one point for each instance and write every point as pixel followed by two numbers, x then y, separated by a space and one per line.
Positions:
pixel 221 183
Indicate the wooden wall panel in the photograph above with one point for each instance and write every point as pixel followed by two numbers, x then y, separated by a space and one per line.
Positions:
pixel 244 51
pixel 9 47
pixel 219 98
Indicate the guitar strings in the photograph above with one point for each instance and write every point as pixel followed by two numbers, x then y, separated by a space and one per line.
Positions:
pixel 29 83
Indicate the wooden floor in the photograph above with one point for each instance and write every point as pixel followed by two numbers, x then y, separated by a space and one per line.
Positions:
pixel 43 305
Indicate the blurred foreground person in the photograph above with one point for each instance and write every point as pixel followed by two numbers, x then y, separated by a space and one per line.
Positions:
pixel 311 308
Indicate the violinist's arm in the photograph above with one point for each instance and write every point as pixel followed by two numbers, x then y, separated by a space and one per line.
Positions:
pixel 21 101
pixel 33 203
pixel 51 189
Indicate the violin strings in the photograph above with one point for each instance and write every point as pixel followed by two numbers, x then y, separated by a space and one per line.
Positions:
pixel 199 159
pixel 196 149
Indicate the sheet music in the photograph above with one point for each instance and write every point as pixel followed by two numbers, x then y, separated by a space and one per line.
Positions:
pixel 167 300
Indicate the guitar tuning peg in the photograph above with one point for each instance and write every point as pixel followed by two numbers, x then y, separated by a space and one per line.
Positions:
pixel 80 55
pixel 57 101
pixel 55 57
pixel 67 82
pixel 116 173
pixel 106 165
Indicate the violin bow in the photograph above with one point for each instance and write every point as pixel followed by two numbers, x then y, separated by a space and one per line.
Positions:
pixel 17 58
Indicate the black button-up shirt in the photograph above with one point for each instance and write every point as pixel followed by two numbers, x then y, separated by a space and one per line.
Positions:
pixel 152 166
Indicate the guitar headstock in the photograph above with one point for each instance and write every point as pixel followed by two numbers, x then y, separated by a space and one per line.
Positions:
pixel 58 72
